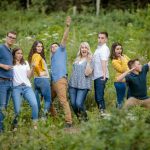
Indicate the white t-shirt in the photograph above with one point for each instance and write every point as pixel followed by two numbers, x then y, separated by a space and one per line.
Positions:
pixel 102 53
pixel 20 74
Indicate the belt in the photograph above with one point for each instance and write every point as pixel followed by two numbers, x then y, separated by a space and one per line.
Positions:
pixel 6 79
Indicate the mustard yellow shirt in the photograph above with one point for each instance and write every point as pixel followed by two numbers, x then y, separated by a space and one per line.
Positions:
pixel 120 65
pixel 40 66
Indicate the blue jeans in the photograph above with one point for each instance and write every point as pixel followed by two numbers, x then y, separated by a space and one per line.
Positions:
pixel 120 91
pixel 99 86
pixel 42 87
pixel 5 93
pixel 77 99
pixel 27 93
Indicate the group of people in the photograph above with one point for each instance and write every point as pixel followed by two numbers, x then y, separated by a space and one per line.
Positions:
pixel 15 74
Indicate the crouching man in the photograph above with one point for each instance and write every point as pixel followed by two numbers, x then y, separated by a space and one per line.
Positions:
pixel 137 83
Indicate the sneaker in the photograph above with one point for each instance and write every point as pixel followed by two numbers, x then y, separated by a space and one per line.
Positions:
pixel 84 116
pixel 15 129
pixel 44 116
pixel 35 127
pixel 15 124
pixel 102 111
pixel 79 119
pixel 119 106
pixel 35 124
pixel 104 114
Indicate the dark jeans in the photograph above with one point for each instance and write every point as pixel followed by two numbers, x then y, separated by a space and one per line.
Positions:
pixel 120 91
pixel 5 93
pixel 128 92
pixel 77 99
pixel 99 86
pixel 42 87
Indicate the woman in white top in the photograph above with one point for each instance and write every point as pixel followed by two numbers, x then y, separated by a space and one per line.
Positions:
pixel 22 86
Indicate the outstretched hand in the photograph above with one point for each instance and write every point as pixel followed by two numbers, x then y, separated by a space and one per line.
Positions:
pixel 66 32
pixel 68 20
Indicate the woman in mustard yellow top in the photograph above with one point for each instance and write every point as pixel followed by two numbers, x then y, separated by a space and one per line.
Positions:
pixel 119 63
pixel 41 75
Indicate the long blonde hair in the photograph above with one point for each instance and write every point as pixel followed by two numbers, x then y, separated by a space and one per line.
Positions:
pixel 79 55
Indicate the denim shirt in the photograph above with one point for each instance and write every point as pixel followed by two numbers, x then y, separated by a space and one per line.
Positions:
pixel 7 59
pixel 58 64
pixel 78 78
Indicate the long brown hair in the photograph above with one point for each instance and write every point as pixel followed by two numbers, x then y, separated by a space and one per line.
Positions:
pixel 22 61
pixel 113 47
pixel 33 50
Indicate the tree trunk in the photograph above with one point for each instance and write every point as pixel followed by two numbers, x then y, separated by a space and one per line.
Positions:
pixel 28 4
pixel 98 7
pixel 74 10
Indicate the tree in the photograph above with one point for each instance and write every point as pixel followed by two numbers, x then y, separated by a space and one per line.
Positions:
pixel 98 2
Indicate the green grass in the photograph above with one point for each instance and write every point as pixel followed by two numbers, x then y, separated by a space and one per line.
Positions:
pixel 118 132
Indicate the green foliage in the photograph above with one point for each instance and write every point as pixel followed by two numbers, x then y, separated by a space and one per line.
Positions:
pixel 117 132
pixel 122 130
pixel 48 6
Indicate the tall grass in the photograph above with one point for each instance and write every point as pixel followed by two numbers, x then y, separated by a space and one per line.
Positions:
pixel 118 132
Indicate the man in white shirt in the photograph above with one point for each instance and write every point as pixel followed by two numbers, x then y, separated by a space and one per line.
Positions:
pixel 101 74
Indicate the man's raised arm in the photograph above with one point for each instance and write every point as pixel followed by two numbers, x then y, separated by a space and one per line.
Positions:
pixel 66 32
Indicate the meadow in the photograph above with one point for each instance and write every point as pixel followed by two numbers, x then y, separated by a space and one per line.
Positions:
pixel 122 130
